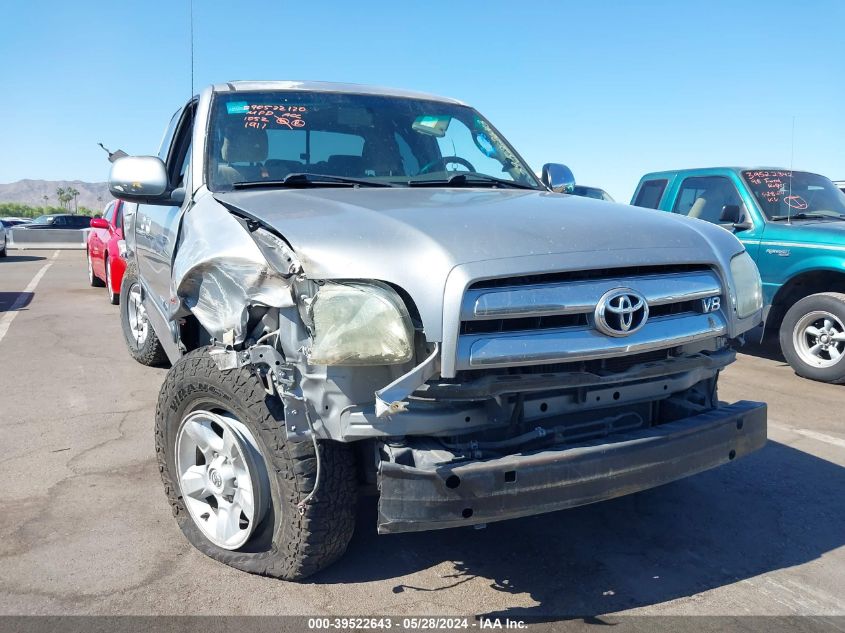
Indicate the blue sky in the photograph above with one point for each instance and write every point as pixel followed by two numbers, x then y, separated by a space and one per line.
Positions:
pixel 613 89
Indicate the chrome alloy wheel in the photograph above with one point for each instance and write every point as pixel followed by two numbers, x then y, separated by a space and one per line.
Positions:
pixel 222 477
pixel 137 313
pixel 819 339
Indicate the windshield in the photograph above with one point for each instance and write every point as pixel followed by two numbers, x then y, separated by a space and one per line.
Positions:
pixel 43 219
pixel 265 136
pixel 783 193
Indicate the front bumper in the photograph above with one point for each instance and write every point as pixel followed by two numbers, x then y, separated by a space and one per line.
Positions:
pixel 413 499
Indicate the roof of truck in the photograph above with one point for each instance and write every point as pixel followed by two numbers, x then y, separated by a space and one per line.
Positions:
pixel 327 86
pixel 722 168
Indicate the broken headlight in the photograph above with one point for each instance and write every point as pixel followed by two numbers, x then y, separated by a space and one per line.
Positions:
pixel 360 324
pixel 747 285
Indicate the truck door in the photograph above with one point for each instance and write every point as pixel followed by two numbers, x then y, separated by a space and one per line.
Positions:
pixel 717 200
pixel 156 226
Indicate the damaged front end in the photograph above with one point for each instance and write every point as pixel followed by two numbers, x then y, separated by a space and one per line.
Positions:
pixel 489 439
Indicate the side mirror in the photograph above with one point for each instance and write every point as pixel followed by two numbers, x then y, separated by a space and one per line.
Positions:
pixel 99 223
pixel 139 179
pixel 733 215
pixel 558 178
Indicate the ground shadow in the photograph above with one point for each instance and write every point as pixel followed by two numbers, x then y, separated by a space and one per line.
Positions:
pixel 15 300
pixel 774 509
pixel 768 349
pixel 11 259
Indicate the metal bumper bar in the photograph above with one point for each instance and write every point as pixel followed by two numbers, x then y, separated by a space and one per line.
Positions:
pixel 468 493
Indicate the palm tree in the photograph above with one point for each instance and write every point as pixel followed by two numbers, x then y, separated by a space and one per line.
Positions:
pixel 73 194
pixel 46 200
pixel 61 194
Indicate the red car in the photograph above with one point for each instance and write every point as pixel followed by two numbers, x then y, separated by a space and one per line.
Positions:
pixel 107 251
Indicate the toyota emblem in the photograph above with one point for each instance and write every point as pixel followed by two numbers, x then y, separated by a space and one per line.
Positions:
pixel 621 312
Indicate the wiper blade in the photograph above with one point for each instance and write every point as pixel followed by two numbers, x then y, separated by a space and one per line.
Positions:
pixel 307 179
pixel 806 216
pixel 470 180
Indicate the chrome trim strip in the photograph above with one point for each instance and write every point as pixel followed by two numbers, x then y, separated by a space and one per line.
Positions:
pixel 582 296
pixel 577 344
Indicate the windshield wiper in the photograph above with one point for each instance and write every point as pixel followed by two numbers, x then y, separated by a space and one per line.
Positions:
pixel 470 180
pixel 806 216
pixel 307 179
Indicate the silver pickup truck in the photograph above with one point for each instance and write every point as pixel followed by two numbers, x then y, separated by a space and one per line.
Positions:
pixel 367 288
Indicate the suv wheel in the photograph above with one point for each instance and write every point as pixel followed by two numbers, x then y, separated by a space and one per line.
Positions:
pixel 812 337
pixel 235 483
pixel 114 297
pixel 93 280
pixel 5 250
pixel 141 339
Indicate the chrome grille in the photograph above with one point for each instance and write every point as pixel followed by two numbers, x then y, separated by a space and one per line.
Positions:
pixel 546 319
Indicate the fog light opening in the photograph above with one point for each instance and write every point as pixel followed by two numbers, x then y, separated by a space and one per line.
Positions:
pixel 453 481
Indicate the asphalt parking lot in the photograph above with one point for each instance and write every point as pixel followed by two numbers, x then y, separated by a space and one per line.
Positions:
pixel 86 528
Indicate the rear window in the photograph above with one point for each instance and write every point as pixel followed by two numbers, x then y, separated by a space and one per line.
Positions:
pixel 650 194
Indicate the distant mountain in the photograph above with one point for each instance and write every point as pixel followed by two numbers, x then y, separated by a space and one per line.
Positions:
pixel 94 195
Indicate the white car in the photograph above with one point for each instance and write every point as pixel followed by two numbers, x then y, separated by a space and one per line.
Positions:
pixel 840 184
pixel 3 239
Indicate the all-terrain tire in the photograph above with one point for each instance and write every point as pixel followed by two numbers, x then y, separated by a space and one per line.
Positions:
pixel 287 544
pixel 799 317
pixel 150 352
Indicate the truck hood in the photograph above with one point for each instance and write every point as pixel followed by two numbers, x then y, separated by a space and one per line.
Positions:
pixel 808 232
pixel 414 237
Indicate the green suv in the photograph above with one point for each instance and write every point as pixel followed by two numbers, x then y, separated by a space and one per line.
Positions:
pixel 793 225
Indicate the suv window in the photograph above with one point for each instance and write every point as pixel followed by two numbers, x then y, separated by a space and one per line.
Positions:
pixel 650 194
pixel 704 197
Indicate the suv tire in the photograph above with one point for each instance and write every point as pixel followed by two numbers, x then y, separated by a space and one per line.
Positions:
pixel 812 337
pixel 138 332
pixel 283 542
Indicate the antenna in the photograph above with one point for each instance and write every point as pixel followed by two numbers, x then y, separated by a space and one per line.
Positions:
pixel 791 165
pixel 191 20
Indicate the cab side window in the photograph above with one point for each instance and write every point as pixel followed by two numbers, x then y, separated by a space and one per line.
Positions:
pixel 179 156
pixel 650 194
pixel 705 198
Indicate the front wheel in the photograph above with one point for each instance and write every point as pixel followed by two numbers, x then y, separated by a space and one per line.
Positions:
pixel 812 337
pixel 93 280
pixel 141 340
pixel 235 483
pixel 114 297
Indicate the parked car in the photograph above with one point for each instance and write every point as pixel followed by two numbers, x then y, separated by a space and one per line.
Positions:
pixel 106 250
pixel 4 238
pixel 591 192
pixel 840 184
pixel 11 222
pixel 359 285
pixel 59 221
pixel 793 224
